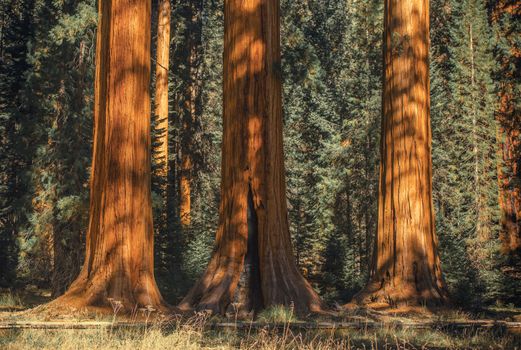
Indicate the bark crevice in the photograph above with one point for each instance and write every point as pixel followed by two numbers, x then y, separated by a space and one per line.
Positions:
pixel 406 265
pixel 253 258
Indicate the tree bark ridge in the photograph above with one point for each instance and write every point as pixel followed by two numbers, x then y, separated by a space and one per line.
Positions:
pixel 252 165
pixel 118 272
pixel 406 266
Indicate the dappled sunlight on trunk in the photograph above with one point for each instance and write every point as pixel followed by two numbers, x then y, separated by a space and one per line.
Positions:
pixel 406 264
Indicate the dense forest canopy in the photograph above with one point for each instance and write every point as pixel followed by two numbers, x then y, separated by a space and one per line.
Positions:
pixel 330 72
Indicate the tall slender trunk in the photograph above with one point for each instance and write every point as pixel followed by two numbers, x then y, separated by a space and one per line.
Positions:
pixel 161 96
pixel 190 120
pixel 185 205
pixel 252 175
pixel 406 268
pixel 474 129
pixel 118 269
pixel 369 174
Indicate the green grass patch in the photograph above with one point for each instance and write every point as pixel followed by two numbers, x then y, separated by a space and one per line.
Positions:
pixel 10 300
pixel 277 314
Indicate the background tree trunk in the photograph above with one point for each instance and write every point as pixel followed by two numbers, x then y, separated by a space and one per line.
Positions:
pixel 191 116
pixel 504 14
pixel 118 269
pixel 185 190
pixel 406 264
pixel 253 214
pixel 161 97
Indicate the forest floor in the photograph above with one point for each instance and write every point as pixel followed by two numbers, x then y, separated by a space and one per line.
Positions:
pixel 496 327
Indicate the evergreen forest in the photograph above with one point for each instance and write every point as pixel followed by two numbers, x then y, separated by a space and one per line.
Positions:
pixel 249 157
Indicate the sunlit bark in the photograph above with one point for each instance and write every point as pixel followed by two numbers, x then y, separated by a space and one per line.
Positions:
pixel 118 268
pixel 161 96
pixel 406 265
pixel 185 185
pixel 253 263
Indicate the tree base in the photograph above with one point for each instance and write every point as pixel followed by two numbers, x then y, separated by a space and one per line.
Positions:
pixel 219 294
pixel 66 307
pixel 211 303
pixel 92 297
pixel 403 295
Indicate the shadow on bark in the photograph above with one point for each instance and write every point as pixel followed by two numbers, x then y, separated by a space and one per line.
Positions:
pixel 252 177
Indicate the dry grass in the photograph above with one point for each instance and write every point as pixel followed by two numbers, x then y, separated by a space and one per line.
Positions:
pixel 195 333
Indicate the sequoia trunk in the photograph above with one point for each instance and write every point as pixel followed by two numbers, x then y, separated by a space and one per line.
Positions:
pixel 509 119
pixel 253 222
pixel 406 266
pixel 118 268
pixel 161 97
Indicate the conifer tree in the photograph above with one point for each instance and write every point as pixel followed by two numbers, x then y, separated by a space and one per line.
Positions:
pixel 464 151
pixel 187 70
pixel 119 263
pixel 306 117
pixel 207 136
pixel 58 95
pixel 15 29
pixel 332 69
pixel 353 152
pixel 406 267
pixel 253 235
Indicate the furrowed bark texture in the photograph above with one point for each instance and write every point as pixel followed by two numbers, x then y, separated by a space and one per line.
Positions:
pixel 406 266
pixel 509 139
pixel 161 97
pixel 118 268
pixel 253 214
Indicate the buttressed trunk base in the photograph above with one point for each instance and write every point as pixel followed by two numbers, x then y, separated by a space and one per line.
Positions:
pixel 118 273
pixel 253 225
pixel 406 266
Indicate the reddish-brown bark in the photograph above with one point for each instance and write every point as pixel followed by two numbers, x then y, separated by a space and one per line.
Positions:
pixel 161 96
pixel 406 266
pixel 118 268
pixel 509 119
pixel 509 191
pixel 253 262
pixel 185 189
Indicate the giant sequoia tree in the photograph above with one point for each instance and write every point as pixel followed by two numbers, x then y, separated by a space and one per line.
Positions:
pixel 406 266
pixel 506 15
pixel 118 267
pixel 252 264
